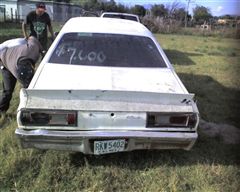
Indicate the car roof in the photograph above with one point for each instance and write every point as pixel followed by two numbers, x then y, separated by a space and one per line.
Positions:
pixel 105 25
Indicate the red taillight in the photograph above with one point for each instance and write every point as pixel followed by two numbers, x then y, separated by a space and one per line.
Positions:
pixel 171 120
pixel 49 118
pixel 71 119
pixel 178 120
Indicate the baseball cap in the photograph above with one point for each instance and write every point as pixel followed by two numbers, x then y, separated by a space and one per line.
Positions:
pixel 41 5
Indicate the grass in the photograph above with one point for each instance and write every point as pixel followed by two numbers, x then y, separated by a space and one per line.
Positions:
pixel 212 77
pixel 10 30
pixel 210 166
pixel 220 32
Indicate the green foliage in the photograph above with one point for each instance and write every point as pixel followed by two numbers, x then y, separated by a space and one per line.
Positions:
pixel 201 14
pixel 106 6
pixel 227 17
pixel 179 14
pixel 91 5
pixel 110 6
pixel 159 10
pixel 138 10
pixel 121 9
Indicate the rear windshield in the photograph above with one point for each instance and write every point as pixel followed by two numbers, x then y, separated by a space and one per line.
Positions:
pixel 128 17
pixel 107 50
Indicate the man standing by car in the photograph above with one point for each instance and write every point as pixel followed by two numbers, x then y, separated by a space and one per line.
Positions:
pixel 17 63
pixel 38 21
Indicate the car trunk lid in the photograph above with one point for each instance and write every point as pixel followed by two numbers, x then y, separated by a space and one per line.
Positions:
pixel 106 100
pixel 74 77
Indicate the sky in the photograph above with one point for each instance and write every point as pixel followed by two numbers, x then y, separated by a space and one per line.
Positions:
pixel 217 7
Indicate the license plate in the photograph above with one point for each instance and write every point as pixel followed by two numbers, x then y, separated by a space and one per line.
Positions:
pixel 109 146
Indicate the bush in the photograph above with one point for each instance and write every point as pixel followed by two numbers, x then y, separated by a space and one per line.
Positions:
pixel 161 25
pixel 169 26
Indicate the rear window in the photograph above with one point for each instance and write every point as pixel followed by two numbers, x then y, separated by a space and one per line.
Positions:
pixel 111 50
pixel 128 17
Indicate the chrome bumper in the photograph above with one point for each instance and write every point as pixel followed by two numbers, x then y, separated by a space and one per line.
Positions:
pixel 82 141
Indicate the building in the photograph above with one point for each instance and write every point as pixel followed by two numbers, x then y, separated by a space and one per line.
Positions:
pixel 16 10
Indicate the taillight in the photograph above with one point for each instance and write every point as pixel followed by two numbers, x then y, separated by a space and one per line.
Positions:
pixel 171 120
pixel 49 118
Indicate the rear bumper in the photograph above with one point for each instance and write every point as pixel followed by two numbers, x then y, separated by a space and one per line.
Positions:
pixel 82 141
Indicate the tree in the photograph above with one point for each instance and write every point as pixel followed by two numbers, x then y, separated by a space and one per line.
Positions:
pixel 110 6
pixel 91 5
pixel 172 7
pixel 201 14
pixel 179 14
pixel 122 9
pixel 227 17
pixel 138 10
pixel 159 10
pixel 176 10
pixel 101 5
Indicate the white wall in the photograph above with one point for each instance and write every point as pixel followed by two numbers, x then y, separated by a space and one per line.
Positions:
pixel 8 7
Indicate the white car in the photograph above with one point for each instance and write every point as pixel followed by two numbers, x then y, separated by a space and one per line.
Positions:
pixel 115 15
pixel 105 86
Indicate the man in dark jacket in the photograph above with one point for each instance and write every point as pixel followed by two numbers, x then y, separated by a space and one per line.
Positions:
pixel 38 21
pixel 17 63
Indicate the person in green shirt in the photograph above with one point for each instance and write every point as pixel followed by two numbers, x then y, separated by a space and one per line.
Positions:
pixel 39 21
